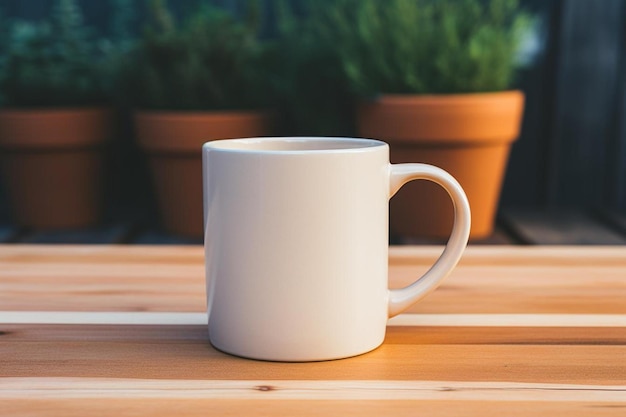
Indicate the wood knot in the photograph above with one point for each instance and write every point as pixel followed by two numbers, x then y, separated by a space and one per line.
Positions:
pixel 264 388
pixel 4 333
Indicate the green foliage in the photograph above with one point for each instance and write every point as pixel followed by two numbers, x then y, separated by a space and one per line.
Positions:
pixel 209 61
pixel 116 47
pixel 123 18
pixel 307 80
pixel 423 46
pixel 55 62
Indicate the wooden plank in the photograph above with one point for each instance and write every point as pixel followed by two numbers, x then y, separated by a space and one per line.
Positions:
pixel 157 407
pixel 80 256
pixel 405 319
pixel 181 354
pixel 488 280
pixel 421 335
pixel 312 390
pixel 559 227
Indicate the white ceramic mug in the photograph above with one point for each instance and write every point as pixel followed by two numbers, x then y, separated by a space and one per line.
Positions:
pixel 296 243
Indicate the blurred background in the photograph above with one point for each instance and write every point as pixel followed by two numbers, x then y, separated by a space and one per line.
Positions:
pixel 566 172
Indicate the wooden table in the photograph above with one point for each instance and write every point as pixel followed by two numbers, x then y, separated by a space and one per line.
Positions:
pixel 120 330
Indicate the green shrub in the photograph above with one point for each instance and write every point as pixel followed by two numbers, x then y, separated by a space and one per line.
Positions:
pixel 424 46
pixel 307 79
pixel 209 61
pixel 55 62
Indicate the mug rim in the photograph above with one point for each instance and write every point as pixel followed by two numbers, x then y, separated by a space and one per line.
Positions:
pixel 247 145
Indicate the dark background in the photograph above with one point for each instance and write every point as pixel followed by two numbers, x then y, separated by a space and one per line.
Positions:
pixel 572 150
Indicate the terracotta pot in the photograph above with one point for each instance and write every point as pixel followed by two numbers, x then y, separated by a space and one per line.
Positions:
pixel 52 164
pixel 468 135
pixel 173 141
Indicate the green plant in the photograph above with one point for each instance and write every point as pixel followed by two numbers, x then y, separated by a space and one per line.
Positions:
pixel 211 60
pixel 307 79
pixel 55 62
pixel 424 46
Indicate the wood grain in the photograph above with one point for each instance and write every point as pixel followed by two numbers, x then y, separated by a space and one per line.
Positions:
pixel 405 319
pixel 183 352
pixel 488 280
pixel 306 408
pixel 314 390
pixel 514 331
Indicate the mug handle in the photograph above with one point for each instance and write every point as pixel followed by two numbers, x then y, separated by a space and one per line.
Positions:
pixel 403 298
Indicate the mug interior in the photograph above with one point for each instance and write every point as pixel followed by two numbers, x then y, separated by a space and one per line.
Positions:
pixel 293 144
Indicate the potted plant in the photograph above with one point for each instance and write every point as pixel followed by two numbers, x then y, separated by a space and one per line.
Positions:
pixel 434 81
pixel 53 122
pixel 191 82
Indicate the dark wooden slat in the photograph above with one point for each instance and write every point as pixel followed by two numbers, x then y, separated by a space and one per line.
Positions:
pixel 615 220
pixel 617 169
pixel 559 228
pixel 154 237
pixel 525 177
pixel 101 235
pixel 588 75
